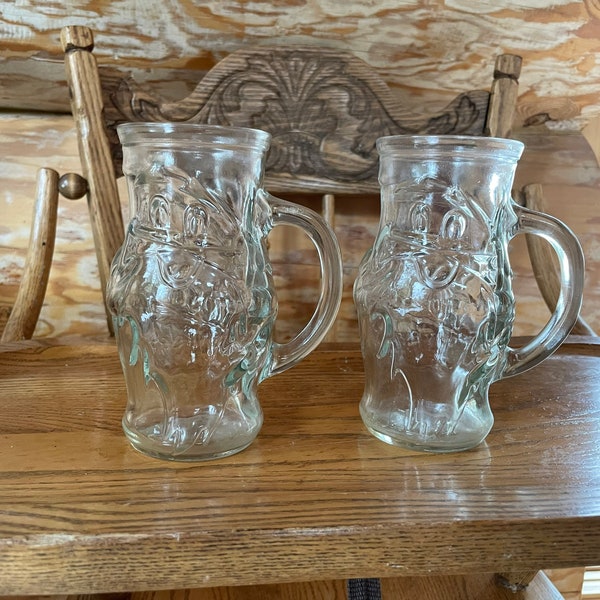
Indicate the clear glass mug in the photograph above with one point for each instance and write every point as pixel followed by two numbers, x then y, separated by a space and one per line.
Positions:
pixel 191 290
pixel 434 295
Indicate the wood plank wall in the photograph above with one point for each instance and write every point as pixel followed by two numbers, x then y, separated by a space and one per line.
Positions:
pixel 426 49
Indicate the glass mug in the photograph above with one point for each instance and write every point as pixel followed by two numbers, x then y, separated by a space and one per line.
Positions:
pixel 191 290
pixel 434 295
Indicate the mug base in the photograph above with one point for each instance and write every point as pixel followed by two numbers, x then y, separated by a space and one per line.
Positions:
pixel 188 457
pixel 193 455
pixel 195 449
pixel 414 443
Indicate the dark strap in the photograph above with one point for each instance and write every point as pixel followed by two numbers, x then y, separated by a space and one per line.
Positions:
pixel 363 589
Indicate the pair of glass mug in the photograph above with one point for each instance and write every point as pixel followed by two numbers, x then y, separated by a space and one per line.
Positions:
pixel 193 301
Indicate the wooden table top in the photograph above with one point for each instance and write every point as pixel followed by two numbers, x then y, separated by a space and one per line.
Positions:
pixel 314 497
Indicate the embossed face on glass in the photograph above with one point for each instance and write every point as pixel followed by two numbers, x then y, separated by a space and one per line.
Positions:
pixel 440 227
pixel 434 212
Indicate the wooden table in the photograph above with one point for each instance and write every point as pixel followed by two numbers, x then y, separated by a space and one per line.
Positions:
pixel 314 497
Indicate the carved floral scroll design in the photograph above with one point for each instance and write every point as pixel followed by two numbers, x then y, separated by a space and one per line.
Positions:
pixel 323 117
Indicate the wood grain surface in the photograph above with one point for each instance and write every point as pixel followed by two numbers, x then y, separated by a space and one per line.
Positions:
pixel 427 50
pixel 314 497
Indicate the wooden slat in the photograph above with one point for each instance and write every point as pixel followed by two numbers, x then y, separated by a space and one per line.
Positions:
pixel 591 584
pixel 503 100
pixel 32 288
pixel 103 197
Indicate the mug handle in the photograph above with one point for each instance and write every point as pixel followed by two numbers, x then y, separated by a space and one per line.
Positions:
pixel 330 258
pixel 572 269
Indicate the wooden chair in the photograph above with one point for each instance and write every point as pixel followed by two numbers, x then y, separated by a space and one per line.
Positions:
pixel 330 149
pixel 324 109
pixel 324 129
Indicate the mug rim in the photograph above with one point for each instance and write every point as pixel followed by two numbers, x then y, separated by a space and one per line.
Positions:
pixel 433 145
pixel 173 132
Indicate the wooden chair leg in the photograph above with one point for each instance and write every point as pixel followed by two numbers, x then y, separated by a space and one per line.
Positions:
pixel 515 581
pixel 328 213
pixel 32 289
pixel 544 261
pixel 466 587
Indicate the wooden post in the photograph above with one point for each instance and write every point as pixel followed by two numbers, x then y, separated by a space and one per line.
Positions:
pixel 32 289
pixel 503 99
pixel 94 150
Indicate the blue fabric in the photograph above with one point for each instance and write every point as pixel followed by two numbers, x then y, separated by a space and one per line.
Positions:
pixel 363 589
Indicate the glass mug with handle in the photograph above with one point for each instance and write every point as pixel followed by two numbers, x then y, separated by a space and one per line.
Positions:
pixel 191 290
pixel 434 294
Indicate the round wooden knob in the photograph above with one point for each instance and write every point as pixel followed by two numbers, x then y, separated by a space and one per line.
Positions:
pixel 72 186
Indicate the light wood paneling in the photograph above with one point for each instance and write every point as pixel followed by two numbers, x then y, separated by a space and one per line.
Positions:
pixel 428 50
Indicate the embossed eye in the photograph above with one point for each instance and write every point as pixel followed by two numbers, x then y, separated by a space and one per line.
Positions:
pixel 160 215
pixel 420 217
pixel 454 225
pixel 194 222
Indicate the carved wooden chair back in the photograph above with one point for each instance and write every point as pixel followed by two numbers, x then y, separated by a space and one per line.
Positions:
pixel 323 108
